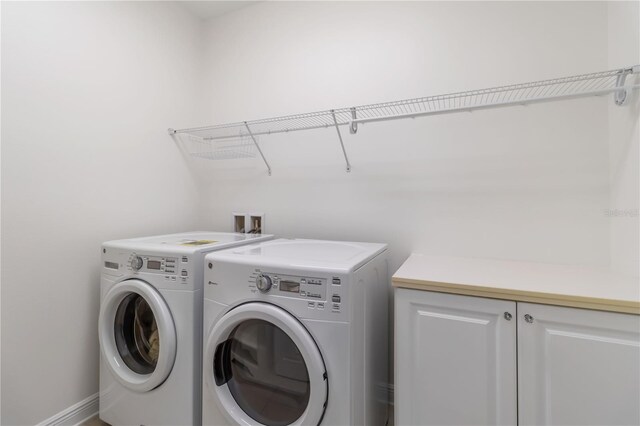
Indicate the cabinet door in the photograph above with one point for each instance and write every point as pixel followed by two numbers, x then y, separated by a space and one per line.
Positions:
pixel 455 360
pixel 577 367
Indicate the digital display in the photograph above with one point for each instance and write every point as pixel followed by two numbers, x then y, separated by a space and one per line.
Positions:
pixel 153 264
pixel 290 286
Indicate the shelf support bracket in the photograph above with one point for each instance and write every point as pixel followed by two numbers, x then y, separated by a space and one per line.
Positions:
pixel 353 127
pixel 335 122
pixel 253 138
pixel 620 96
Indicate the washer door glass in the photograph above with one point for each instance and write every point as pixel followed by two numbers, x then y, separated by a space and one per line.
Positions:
pixel 136 334
pixel 265 372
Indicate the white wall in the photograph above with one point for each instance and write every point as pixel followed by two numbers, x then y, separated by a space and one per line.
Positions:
pixel 519 183
pixel 624 141
pixel 88 92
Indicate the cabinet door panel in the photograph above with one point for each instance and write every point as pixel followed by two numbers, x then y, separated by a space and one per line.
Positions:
pixel 455 360
pixel 578 367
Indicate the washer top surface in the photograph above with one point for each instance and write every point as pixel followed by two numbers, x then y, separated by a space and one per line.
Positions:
pixel 303 254
pixel 189 242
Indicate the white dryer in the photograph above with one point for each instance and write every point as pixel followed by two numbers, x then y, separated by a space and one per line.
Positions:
pixel 295 333
pixel 150 326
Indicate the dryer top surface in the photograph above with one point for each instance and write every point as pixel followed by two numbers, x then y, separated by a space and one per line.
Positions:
pixel 303 254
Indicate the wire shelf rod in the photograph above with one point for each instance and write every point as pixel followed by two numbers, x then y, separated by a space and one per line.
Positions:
pixel 258 146
pixel 276 131
pixel 344 151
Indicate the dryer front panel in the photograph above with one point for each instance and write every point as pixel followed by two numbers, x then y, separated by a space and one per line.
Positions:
pixel 263 367
pixel 137 335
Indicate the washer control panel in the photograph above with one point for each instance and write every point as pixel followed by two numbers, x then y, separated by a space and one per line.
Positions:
pixel 308 288
pixel 154 264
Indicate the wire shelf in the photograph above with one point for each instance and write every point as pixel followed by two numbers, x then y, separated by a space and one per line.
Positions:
pixel 267 126
pixel 234 148
pixel 594 84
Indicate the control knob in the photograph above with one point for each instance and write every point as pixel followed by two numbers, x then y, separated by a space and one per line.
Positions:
pixel 136 263
pixel 263 283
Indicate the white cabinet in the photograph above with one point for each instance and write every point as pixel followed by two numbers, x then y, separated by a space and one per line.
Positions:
pixel 577 367
pixel 455 359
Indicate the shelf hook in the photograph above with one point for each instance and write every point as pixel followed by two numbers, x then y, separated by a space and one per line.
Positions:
pixel 335 122
pixel 353 127
pixel 620 96
pixel 258 146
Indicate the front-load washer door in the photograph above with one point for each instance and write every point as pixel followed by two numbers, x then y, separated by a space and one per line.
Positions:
pixel 262 367
pixel 137 335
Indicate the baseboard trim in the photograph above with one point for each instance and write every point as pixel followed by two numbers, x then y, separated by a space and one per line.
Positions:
pixel 76 414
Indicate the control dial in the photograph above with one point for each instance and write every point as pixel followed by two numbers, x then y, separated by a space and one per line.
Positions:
pixel 263 283
pixel 136 263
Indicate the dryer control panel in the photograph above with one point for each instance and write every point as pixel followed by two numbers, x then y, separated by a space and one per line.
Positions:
pixel 320 294
pixel 292 286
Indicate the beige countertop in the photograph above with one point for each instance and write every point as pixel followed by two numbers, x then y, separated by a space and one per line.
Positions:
pixel 551 284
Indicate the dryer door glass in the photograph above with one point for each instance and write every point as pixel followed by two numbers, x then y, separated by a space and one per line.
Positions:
pixel 265 372
pixel 136 334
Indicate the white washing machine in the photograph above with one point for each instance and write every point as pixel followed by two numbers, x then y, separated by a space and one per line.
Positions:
pixel 150 326
pixel 295 333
